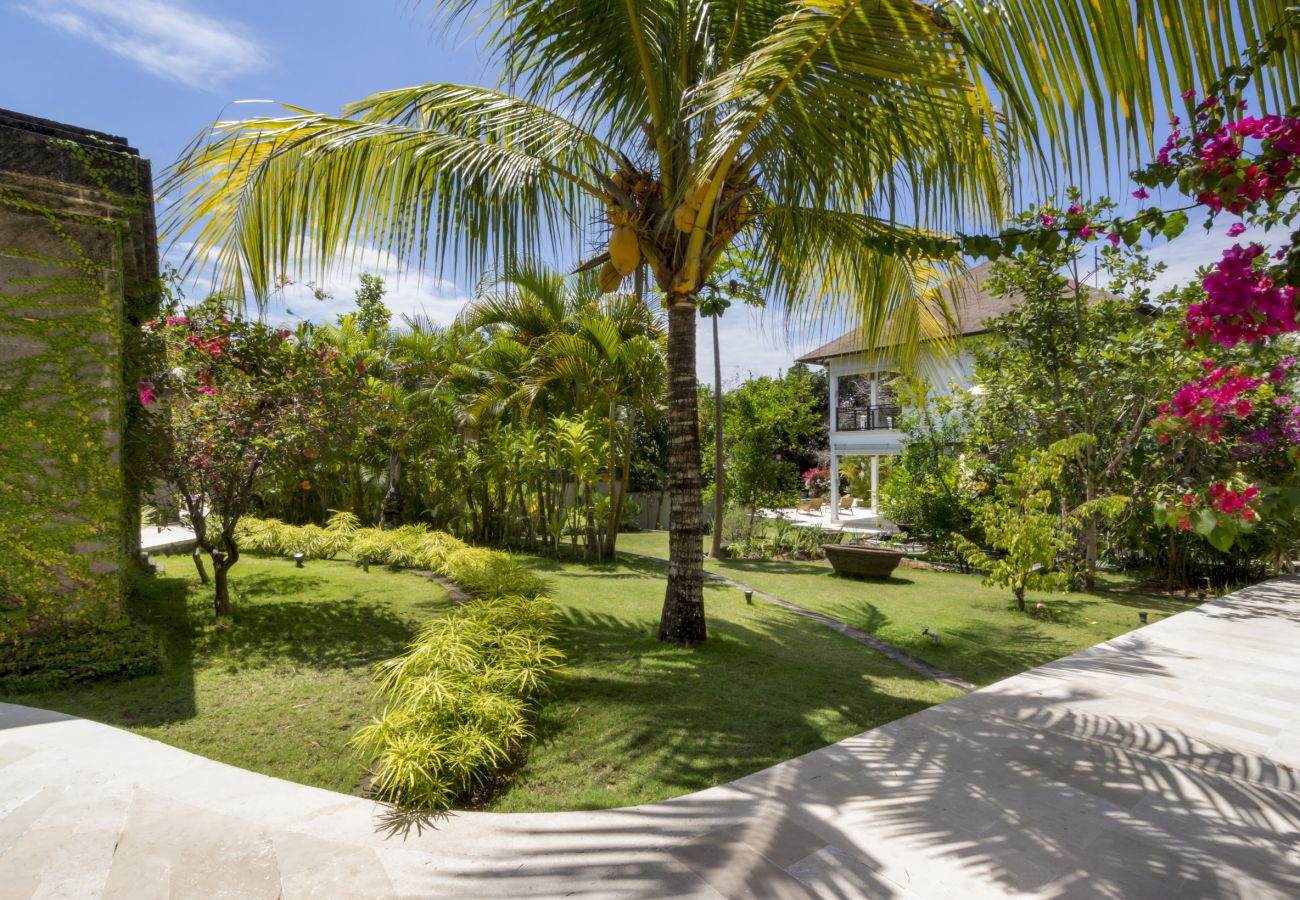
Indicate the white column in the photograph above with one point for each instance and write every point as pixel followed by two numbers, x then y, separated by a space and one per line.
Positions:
pixel 875 484
pixel 835 485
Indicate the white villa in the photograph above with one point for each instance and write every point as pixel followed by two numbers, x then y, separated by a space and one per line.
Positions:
pixel 864 415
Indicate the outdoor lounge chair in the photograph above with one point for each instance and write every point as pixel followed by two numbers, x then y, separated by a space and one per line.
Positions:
pixel 814 506
pixel 846 502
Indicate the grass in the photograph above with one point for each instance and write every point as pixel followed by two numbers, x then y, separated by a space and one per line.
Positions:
pixel 982 638
pixel 632 721
pixel 282 684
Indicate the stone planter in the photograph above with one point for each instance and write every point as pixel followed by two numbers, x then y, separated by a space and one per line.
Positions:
pixel 862 562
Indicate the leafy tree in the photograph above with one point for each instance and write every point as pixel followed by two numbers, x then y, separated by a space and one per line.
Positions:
pixel 1022 522
pixel 772 427
pixel 236 403
pixel 931 486
pixel 807 130
pixel 1073 359
pixel 372 314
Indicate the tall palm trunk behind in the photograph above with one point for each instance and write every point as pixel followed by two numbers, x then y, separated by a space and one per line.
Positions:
pixel 682 622
pixel 716 550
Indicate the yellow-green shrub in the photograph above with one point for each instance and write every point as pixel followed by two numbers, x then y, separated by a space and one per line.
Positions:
pixel 457 704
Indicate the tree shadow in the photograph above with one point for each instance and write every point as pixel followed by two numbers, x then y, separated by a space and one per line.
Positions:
pixel 1069 781
pixel 710 714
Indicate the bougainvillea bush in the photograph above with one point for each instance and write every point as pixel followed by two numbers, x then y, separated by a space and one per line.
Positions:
pixel 236 403
pixel 1238 424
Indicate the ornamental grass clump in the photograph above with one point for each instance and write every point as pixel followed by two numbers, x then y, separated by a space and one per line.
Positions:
pixel 458 703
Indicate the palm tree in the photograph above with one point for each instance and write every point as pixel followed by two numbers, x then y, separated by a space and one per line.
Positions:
pixel 808 129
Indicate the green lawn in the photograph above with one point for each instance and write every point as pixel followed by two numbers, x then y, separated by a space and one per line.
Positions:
pixel 281 685
pixel 982 638
pixel 632 721
pixel 278 687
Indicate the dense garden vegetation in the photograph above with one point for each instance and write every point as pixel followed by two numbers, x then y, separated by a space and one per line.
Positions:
pixel 756 153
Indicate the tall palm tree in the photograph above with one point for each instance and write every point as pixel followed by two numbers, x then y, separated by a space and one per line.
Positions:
pixel 810 129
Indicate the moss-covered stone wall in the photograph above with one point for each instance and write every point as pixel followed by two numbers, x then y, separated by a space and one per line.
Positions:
pixel 78 273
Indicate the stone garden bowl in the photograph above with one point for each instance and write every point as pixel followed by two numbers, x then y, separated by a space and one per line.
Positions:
pixel 863 562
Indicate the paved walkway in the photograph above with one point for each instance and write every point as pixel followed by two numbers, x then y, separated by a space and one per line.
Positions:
pixel 1160 764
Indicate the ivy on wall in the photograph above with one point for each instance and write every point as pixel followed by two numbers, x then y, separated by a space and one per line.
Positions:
pixel 69 351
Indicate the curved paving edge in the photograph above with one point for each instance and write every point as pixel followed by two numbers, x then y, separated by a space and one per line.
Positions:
pixel 1159 764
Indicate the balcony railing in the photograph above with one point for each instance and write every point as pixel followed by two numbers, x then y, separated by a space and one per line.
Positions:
pixel 867 418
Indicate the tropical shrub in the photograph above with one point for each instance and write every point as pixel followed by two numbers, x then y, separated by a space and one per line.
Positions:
pixel 53 658
pixel 480 572
pixel 457 704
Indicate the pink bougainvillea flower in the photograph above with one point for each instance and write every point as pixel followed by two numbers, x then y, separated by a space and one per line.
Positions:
pixel 1086 232
pixel 1142 193
pixel 1048 221
pixel 1114 239
pixel 146 391
pixel 1189 93
pixel 1074 210
pixel 1235 229
pixel 206 389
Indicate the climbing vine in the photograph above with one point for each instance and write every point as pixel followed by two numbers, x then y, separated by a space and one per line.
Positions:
pixel 69 311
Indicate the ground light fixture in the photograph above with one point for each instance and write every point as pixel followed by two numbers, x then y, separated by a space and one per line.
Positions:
pixel 749 597
pixel 365 562
pixel 1142 618
pixel 298 558
pixel 932 635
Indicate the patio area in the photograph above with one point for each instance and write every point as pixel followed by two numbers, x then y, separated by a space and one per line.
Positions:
pixel 857 519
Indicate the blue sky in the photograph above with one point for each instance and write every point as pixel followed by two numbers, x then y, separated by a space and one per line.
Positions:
pixel 159 71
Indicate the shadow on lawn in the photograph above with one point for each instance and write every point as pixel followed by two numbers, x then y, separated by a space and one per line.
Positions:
pixel 714 713
pixel 276 620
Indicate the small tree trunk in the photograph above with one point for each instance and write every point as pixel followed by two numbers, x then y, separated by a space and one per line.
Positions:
pixel 717 551
pixel 682 621
pixel 198 564
pixel 390 516
pixel 222 563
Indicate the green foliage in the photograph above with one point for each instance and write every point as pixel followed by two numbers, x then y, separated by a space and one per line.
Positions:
pixel 56 658
pixel 457 704
pixel 748 535
pixel 478 571
pixel 372 314
pixel 68 502
pixel 1023 524
pixel 932 485
pixel 773 429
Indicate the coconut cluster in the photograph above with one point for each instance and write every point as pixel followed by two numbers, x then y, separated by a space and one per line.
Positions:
pixel 635 205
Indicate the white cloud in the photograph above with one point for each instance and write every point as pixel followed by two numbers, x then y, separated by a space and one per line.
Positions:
pixel 163 37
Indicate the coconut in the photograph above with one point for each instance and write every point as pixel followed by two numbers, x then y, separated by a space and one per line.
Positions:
pixel 610 278
pixel 624 249
pixel 684 218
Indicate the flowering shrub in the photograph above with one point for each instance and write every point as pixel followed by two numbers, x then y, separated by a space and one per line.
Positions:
pixel 1199 407
pixel 1244 166
pixel 817 480
pixel 235 401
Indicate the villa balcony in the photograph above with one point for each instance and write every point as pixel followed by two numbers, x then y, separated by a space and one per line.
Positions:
pixel 867 418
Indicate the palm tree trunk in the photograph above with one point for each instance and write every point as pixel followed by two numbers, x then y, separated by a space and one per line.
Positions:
pixel 716 550
pixel 390 515
pixel 682 620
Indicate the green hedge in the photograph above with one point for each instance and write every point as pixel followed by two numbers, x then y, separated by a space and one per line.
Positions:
pixel 56 658
pixel 457 705
pixel 480 572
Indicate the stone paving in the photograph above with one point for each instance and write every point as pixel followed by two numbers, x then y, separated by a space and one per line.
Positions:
pixel 1159 764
